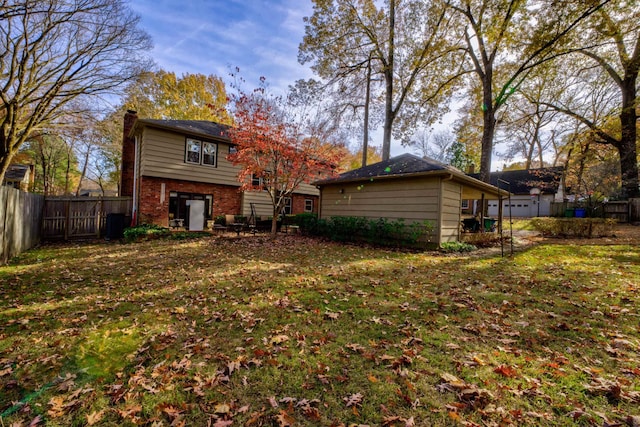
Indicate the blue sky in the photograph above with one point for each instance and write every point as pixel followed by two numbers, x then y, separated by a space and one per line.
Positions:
pixel 260 37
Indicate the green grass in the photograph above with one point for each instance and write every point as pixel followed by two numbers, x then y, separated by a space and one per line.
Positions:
pixel 312 333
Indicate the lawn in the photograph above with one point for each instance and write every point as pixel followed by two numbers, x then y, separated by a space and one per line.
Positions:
pixel 250 332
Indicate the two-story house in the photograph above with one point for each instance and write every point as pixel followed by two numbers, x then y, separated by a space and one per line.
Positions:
pixel 171 166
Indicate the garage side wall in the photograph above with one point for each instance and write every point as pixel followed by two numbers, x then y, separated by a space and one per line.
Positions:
pixel 414 200
pixel 450 218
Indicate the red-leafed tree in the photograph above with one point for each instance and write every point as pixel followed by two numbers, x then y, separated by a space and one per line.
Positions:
pixel 279 146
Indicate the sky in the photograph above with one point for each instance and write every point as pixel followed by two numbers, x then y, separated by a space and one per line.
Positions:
pixel 261 37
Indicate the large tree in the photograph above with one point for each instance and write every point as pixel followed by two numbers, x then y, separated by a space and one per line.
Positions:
pixel 615 52
pixel 163 95
pixel 505 40
pixel 278 146
pixel 52 52
pixel 406 43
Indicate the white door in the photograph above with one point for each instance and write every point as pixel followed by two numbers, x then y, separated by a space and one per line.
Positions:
pixel 196 215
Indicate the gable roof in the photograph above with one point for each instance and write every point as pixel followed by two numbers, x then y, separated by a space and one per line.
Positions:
pixel 203 128
pixel 16 172
pixel 404 164
pixel 408 165
pixel 522 181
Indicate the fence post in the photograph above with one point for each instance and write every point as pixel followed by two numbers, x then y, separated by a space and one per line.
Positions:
pixel 98 217
pixel 67 219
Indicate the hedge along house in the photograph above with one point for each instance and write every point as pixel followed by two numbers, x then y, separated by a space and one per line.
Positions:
pixel 405 187
pixel 177 173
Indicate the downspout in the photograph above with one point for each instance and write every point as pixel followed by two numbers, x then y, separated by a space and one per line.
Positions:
pixel 319 202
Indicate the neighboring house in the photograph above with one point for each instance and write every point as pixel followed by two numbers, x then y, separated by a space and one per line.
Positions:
pixel 408 187
pixel 532 192
pixel 177 170
pixel 19 176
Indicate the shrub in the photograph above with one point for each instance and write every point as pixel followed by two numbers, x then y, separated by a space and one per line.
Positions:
pixel 574 227
pixel 145 231
pixel 457 247
pixel 382 232
pixel 482 240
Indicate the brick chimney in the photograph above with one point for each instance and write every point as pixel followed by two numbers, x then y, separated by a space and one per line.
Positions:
pixel 128 155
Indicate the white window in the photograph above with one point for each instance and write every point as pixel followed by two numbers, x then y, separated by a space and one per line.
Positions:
pixel 209 153
pixel 256 181
pixel 308 205
pixel 287 206
pixel 201 152
pixel 193 151
pixel 465 204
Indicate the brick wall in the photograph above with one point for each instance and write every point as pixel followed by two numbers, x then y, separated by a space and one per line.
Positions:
pixel 128 155
pixel 226 199
pixel 297 203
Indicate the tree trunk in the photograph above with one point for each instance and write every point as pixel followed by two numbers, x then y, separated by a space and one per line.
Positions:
pixel 274 219
pixel 388 76
pixel 488 130
pixel 5 161
pixel 83 172
pixel 365 137
pixel 627 148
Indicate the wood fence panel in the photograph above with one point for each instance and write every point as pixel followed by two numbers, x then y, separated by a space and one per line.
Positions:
pixel 20 220
pixel 634 210
pixel 80 217
pixel 618 210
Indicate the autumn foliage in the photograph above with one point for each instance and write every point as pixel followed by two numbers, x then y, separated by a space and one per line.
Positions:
pixel 277 147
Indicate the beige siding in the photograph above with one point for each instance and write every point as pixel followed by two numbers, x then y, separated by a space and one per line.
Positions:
pixel 260 199
pixel 309 189
pixel 163 154
pixel 450 208
pixel 413 200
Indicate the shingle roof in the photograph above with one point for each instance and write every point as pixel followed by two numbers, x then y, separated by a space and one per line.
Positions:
pixel 195 127
pixel 522 181
pixel 16 172
pixel 404 164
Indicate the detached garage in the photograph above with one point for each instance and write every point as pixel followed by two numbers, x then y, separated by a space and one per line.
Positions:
pixel 408 187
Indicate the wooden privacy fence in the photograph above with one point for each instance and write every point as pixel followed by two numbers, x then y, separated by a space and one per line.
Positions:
pixel 80 217
pixel 622 211
pixel 20 219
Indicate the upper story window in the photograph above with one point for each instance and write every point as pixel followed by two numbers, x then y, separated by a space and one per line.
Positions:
pixel 209 151
pixel 201 152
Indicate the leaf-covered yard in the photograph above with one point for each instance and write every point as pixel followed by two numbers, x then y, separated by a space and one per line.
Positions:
pixel 250 332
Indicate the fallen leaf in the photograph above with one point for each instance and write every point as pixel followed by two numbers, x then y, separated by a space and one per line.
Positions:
pixel 222 408
pixel 95 417
pixel 284 419
pixel 506 371
pixel 353 400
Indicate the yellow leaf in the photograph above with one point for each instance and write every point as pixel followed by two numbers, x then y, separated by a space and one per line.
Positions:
pixel 479 361
pixel 95 417
pixel 279 339
pixel 373 379
pixel 222 408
